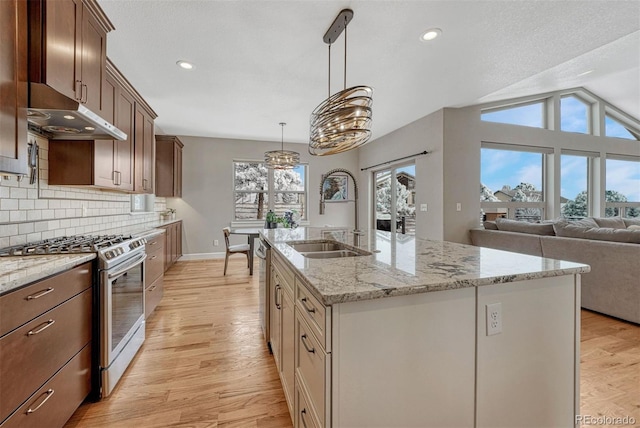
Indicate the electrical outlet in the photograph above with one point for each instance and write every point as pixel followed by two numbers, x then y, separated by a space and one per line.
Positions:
pixel 215 242
pixel 494 319
pixel 458 206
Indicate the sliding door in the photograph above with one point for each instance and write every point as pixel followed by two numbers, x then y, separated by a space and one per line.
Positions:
pixel 395 192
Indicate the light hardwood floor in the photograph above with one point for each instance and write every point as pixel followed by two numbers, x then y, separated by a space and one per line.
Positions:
pixel 205 363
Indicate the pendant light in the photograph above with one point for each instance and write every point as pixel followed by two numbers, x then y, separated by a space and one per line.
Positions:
pixel 281 159
pixel 343 121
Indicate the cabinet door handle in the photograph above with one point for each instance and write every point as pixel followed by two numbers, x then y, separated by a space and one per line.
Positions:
pixel 84 94
pixel 144 183
pixel 303 339
pixel 45 325
pixel 306 307
pixel 39 294
pixel 78 90
pixel 302 413
pixel 275 292
pixel 49 393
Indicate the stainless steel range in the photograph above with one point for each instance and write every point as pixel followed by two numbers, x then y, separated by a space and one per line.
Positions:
pixel 120 276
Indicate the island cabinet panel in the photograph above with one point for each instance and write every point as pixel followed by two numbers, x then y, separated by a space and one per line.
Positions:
pixel 13 84
pixel 538 346
pixel 405 361
pixel 168 166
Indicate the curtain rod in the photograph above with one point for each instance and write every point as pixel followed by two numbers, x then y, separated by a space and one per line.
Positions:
pixel 395 160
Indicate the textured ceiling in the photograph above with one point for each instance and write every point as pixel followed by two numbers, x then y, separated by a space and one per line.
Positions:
pixel 259 63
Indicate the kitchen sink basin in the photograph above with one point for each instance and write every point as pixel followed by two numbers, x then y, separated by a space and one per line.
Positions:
pixel 331 254
pixel 326 250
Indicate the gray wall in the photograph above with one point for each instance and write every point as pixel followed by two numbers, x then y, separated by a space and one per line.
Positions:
pixel 206 205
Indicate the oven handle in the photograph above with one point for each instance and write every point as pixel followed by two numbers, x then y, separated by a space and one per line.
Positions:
pixel 126 268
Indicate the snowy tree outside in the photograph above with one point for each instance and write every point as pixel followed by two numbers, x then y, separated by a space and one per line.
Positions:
pixel 252 190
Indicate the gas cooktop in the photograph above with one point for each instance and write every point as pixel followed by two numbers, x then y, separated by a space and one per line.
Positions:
pixel 66 245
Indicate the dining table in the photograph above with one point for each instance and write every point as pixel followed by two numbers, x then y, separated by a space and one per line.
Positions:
pixel 252 234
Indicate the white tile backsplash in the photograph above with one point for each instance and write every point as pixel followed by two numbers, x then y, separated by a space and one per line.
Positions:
pixel 32 212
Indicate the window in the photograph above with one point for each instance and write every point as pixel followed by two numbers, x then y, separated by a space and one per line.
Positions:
pixel 622 197
pixel 574 115
pixel 614 128
pixel 258 190
pixel 574 187
pixel 511 183
pixel 525 114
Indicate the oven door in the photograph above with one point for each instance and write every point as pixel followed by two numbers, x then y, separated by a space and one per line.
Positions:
pixel 122 318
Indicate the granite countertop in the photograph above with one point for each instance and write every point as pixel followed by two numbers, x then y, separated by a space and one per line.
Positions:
pixel 402 264
pixel 18 271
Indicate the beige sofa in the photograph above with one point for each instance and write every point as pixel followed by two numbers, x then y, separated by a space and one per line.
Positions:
pixel 608 246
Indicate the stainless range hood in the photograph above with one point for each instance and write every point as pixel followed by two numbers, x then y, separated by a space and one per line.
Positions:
pixel 61 118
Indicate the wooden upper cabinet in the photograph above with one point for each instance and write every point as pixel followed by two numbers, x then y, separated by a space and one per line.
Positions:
pixel 145 148
pixel 168 166
pixel 68 48
pixel 13 87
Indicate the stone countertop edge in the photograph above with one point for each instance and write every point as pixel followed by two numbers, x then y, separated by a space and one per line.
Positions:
pixel 432 281
pixel 16 272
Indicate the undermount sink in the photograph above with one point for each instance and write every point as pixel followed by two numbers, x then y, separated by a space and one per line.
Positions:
pixel 326 250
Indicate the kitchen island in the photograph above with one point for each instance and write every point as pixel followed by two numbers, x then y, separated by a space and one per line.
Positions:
pixel 423 333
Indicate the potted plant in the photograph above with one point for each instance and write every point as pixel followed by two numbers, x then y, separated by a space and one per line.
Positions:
pixel 271 221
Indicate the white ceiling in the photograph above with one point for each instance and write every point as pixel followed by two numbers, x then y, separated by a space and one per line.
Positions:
pixel 262 62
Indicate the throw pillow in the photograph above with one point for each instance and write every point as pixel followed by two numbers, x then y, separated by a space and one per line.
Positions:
pixel 586 222
pixel 490 225
pixel 569 230
pixel 631 221
pixel 610 222
pixel 525 227
pixel 634 227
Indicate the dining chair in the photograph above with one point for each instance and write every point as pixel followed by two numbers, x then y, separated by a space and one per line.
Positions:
pixel 233 249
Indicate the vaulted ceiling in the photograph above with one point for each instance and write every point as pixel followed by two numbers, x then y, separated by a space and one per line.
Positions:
pixel 258 63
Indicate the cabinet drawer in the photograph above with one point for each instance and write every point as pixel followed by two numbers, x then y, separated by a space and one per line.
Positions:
pixel 23 305
pixel 32 353
pixel 154 266
pixel 283 275
pixel 305 416
pixel 313 368
pixel 152 296
pixel 154 243
pixel 315 313
pixel 54 403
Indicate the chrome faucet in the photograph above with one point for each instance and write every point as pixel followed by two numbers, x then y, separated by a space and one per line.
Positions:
pixel 356 232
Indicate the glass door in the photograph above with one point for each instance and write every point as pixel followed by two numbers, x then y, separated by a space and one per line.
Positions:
pixel 395 192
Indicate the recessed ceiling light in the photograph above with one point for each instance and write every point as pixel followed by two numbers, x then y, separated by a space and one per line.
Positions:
pixel 584 73
pixel 68 116
pixel 185 64
pixel 430 34
pixel 89 128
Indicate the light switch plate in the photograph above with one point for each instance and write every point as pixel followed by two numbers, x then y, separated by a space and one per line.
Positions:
pixel 423 207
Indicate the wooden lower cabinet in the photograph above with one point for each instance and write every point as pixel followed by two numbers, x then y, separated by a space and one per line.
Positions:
pixel 54 403
pixel 173 243
pixel 45 358
pixel 154 273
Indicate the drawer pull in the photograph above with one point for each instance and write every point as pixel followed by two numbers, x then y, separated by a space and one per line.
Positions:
pixel 303 338
pixel 154 257
pixel 152 288
pixel 302 413
pixel 40 294
pixel 311 310
pixel 49 393
pixel 45 325
pixel 153 243
pixel 275 292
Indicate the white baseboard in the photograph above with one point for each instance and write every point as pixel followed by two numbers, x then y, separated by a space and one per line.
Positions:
pixel 202 256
